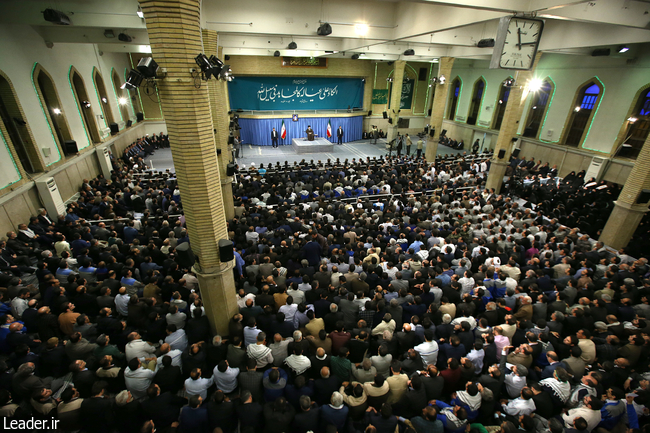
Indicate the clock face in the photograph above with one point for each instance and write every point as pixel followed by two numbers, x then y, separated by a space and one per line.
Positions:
pixel 520 46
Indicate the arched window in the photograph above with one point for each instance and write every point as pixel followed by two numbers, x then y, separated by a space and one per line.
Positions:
pixel 18 133
pixel 500 105
pixel 477 100
pixel 582 113
pixel 454 96
pixel 103 98
pixel 538 107
pixel 121 96
pixel 134 97
pixel 52 107
pixel 84 106
pixel 638 127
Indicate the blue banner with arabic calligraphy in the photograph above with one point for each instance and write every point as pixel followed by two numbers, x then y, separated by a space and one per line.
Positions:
pixel 297 93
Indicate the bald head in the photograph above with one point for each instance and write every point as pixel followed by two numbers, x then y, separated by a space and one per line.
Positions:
pixel 165 348
pixel 15 327
pixel 277 338
pixel 324 372
pixel 320 352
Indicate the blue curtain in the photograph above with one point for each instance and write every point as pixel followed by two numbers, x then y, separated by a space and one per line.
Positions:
pixel 258 131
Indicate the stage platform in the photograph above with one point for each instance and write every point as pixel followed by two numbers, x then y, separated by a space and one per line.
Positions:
pixel 319 145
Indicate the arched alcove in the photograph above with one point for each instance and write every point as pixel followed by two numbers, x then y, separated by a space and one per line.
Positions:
pixel 538 108
pixel 500 105
pixel 477 101
pixel 637 125
pixel 103 98
pixel 16 130
pixel 52 107
pixel 84 105
pixel 120 97
pixel 584 107
pixel 454 96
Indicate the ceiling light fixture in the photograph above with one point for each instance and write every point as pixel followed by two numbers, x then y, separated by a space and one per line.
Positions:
pixel 623 49
pixel 139 12
pixel 122 101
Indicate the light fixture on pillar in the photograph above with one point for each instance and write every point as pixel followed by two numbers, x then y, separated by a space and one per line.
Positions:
pixel 632 119
pixel 576 109
pixel 56 110
pixel 148 67
pixel 133 80
pixel 225 73
pixel 509 82
pixel 122 101
pixel 535 84
pixel 140 13
pixel 86 104
pixel 389 79
pixel 104 100
pixel 442 79
pixel 207 68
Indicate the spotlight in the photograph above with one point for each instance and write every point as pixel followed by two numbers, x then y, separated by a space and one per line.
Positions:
pixel 442 79
pixel 133 80
pixel 500 101
pixel 147 66
pixel 139 12
pixel 389 79
pixel 220 70
pixel 509 82
pixel 292 45
pixel 122 101
pixel 276 54
pixel 576 109
pixel 354 56
pixel 623 49
pixel 56 110
pixel 534 107
pixel 86 104
pixel 104 100
pixel 324 30
pixel 207 68
pixel 632 119
pixel 409 52
pixel 535 84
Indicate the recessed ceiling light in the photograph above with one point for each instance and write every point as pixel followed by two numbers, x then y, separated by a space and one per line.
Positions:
pixel 623 49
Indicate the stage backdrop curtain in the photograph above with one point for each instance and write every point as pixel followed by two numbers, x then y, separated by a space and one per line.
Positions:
pixel 258 131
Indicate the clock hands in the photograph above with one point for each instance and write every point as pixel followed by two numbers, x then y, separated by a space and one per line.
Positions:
pixel 519 38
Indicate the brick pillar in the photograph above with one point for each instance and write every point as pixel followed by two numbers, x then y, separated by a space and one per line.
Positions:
pixel 395 98
pixel 627 215
pixel 509 126
pixel 438 109
pixel 175 37
pixel 221 120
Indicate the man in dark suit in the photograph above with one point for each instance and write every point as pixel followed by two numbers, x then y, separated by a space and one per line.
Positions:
pixel 339 135
pixel 274 138
pixel 325 386
pixel 163 408
pixel 97 412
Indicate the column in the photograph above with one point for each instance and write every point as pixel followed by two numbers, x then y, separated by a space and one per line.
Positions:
pixel 395 98
pixel 627 214
pixel 509 126
pixel 175 38
pixel 439 103
pixel 221 120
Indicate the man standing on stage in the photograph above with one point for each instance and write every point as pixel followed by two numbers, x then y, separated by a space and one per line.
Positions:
pixel 274 138
pixel 310 133
pixel 339 135
pixel 375 134
pixel 408 145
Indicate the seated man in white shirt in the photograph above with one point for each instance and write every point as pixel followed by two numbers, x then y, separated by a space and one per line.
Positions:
pixel 137 348
pixel 225 377
pixel 138 379
pixel 523 405
pixel 175 355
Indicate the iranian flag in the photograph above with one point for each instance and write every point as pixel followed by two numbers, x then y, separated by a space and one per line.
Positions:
pixel 329 128
pixel 283 131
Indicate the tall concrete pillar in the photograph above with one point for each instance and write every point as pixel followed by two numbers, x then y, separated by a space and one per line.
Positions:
pixel 627 214
pixel 175 38
pixel 509 126
pixel 221 120
pixel 439 103
pixel 395 97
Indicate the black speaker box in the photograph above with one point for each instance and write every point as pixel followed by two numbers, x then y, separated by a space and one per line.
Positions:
pixel 186 257
pixel 432 132
pixel 385 115
pixel 515 152
pixel 422 74
pixel 644 197
pixel 139 116
pixel 370 113
pixel 502 153
pixel 70 147
pixel 230 170
pixel 226 253
pixel 129 123
pixel 114 128
pixel 429 111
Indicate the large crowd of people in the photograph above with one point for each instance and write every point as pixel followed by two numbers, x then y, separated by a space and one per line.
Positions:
pixel 377 295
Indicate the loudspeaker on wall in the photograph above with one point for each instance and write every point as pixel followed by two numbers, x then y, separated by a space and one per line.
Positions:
pixel 502 153
pixel 226 253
